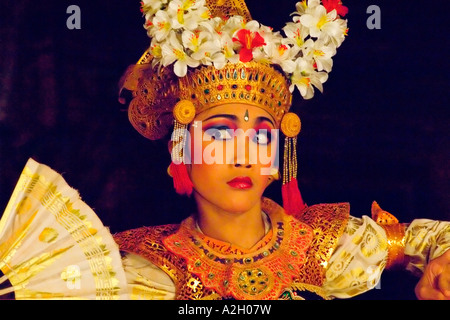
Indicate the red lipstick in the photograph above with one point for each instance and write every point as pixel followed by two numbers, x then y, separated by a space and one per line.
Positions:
pixel 240 183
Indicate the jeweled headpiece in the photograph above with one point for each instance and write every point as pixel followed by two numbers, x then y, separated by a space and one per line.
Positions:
pixel 205 53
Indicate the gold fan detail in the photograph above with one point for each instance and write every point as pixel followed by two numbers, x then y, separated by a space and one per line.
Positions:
pixel 53 245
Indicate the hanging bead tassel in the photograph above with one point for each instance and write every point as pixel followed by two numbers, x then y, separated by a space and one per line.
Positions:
pixel 292 199
pixel 184 112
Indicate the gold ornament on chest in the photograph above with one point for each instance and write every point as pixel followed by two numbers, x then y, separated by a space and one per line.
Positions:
pixel 260 274
pixel 253 281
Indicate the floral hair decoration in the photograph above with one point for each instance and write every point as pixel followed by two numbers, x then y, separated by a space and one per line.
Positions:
pixel 204 53
pixel 184 34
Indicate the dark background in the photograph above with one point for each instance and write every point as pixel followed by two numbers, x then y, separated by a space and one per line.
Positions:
pixel 378 132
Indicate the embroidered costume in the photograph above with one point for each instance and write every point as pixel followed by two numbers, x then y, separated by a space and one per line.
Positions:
pixel 205 54
pixel 210 53
pixel 322 253
pixel 52 246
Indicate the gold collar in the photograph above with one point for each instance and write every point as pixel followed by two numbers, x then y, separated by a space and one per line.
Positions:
pixel 259 273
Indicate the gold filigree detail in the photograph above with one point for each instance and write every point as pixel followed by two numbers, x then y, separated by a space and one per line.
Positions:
pixel 250 83
pixel 253 281
pixel 372 242
pixel 152 93
pixel 328 222
pixel 278 262
pixel 158 245
pixel 148 243
pixel 290 125
pixel 184 111
pixel 395 234
pixel 299 286
pixel 227 8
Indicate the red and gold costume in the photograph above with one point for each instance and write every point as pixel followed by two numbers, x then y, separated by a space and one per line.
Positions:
pixel 322 253
pixel 52 245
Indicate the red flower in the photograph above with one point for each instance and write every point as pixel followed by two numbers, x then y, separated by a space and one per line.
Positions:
pixel 248 40
pixel 330 5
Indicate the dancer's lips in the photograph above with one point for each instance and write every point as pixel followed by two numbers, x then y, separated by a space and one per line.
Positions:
pixel 241 183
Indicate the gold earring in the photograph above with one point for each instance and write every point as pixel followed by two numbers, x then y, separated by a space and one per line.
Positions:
pixel 292 199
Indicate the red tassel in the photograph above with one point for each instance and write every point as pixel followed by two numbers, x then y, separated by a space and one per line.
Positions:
pixel 181 181
pixel 292 199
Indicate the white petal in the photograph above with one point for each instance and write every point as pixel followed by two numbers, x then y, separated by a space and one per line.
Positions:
pixel 252 25
pixel 180 68
pixel 308 20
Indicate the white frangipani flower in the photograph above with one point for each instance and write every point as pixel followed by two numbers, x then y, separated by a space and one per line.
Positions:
pixel 150 7
pixel 184 13
pixel 281 53
pixel 213 26
pixel 233 24
pixel 301 7
pixel 317 20
pixel 202 45
pixel 252 25
pixel 338 33
pixel 155 49
pixel 320 53
pixel 305 78
pixel 193 40
pixel 226 46
pixel 296 33
pixel 173 51
pixel 304 7
pixel 324 26
pixel 161 26
pixel 269 36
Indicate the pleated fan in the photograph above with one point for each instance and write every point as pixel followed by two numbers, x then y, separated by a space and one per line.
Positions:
pixel 53 245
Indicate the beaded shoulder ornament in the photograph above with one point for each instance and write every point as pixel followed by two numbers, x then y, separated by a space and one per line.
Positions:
pixel 205 53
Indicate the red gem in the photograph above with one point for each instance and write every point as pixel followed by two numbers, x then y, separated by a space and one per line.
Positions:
pixel 220 87
pixel 248 87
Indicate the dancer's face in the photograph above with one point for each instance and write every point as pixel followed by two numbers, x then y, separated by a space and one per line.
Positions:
pixel 233 151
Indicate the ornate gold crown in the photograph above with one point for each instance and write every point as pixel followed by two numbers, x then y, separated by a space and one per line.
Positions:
pixel 251 83
pixel 228 8
pixel 156 91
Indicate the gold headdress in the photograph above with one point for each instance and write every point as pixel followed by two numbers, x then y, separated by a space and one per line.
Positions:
pixel 205 53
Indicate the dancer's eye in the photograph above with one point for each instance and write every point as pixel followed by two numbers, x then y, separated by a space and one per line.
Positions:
pixel 263 137
pixel 220 133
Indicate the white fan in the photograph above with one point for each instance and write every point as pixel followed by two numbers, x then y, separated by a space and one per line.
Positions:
pixel 53 245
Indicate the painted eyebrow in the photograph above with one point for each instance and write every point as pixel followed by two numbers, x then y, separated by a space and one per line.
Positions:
pixel 228 116
pixel 235 118
pixel 262 119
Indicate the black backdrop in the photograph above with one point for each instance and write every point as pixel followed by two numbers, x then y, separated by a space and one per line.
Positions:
pixel 378 132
